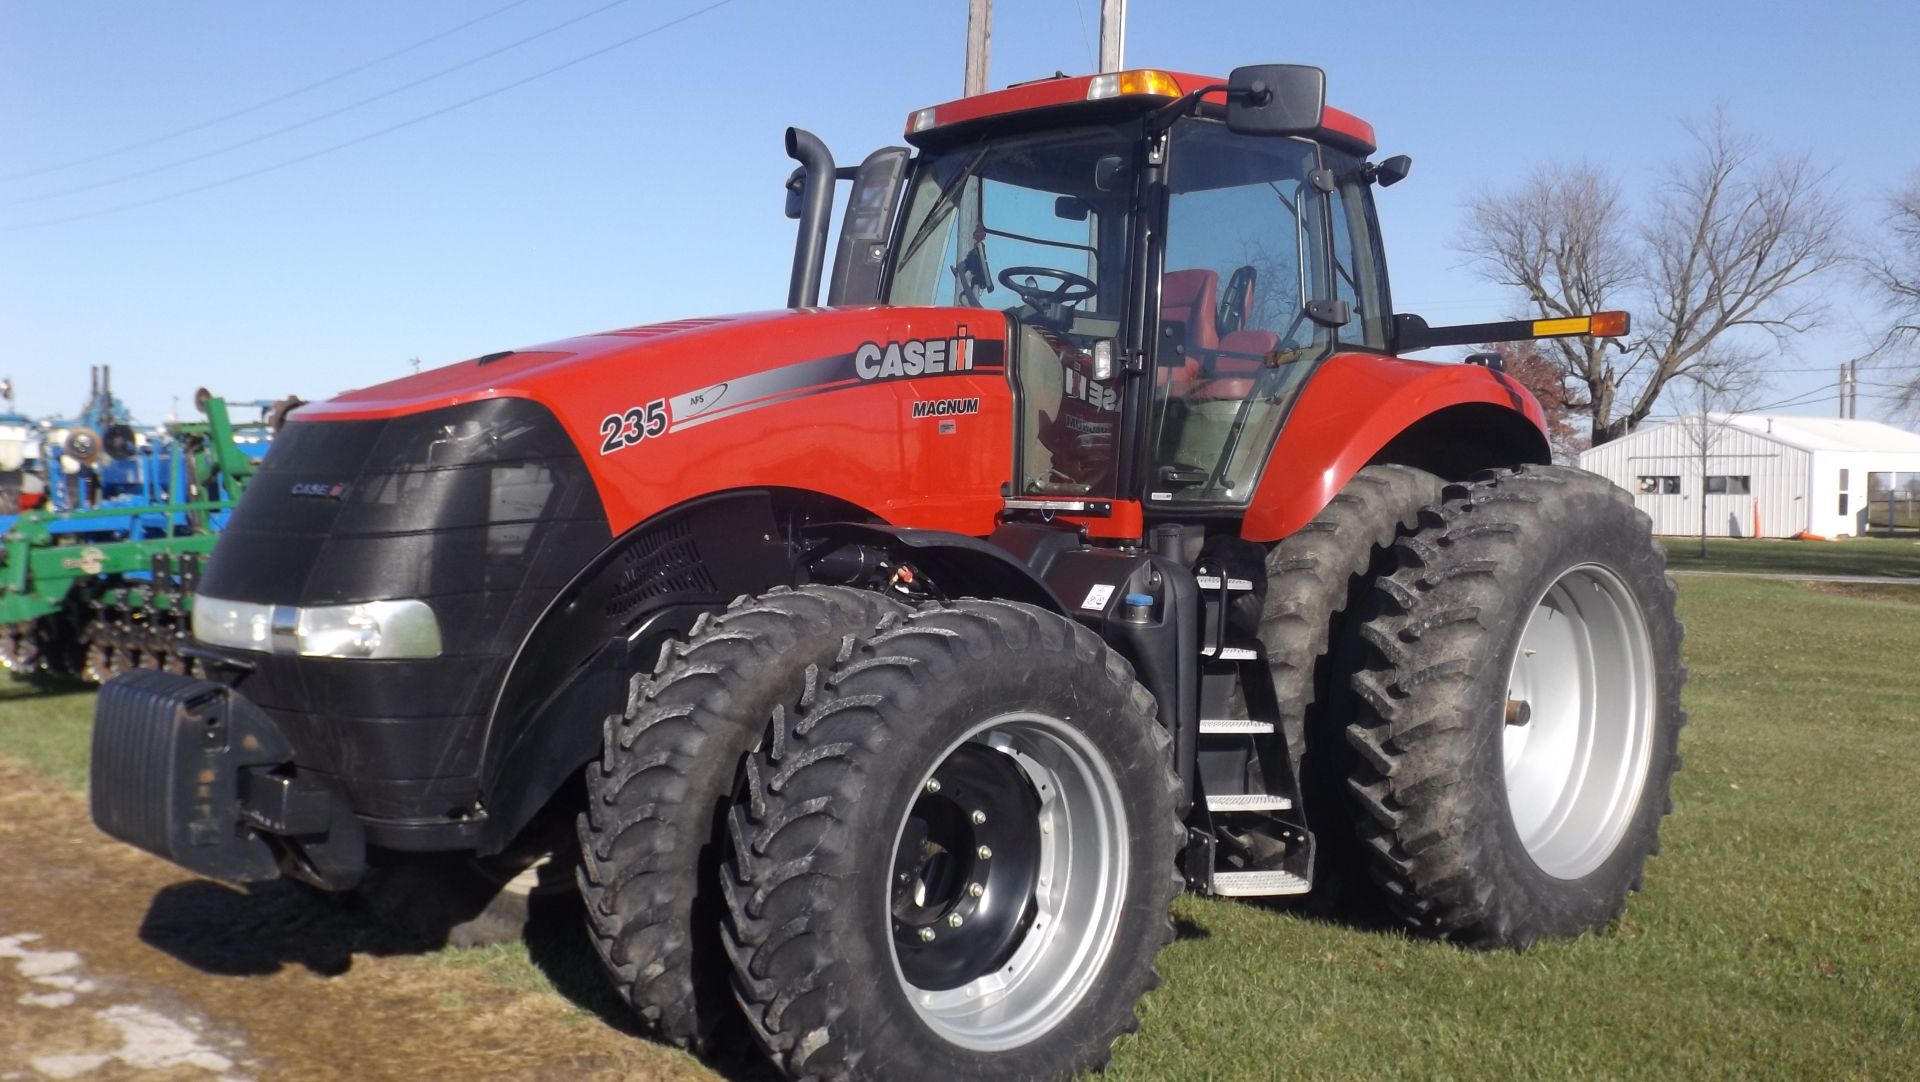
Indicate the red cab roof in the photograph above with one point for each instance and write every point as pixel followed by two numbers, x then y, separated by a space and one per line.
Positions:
pixel 1152 85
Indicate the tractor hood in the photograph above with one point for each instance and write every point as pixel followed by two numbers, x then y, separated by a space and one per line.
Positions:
pixel 678 358
pixel 840 401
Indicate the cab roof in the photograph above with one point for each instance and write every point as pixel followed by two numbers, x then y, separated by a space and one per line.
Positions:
pixel 1133 89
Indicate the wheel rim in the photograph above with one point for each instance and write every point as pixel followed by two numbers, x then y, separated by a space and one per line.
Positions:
pixel 1027 946
pixel 1579 721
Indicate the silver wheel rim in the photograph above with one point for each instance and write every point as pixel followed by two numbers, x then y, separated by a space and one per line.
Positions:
pixel 1076 906
pixel 1579 721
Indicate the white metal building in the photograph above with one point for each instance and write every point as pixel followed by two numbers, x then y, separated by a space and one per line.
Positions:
pixel 1764 476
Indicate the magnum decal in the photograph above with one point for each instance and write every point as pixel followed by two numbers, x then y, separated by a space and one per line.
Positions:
pixel 945 407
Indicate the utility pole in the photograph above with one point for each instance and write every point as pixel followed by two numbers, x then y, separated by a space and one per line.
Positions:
pixel 1845 372
pixel 1113 34
pixel 1853 389
pixel 979 32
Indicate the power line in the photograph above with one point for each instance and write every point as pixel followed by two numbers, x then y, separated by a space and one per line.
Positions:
pixel 315 119
pixel 259 105
pixel 1081 14
pixel 389 129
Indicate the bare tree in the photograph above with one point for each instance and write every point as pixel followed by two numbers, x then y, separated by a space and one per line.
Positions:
pixel 1895 267
pixel 1720 250
pixel 1562 237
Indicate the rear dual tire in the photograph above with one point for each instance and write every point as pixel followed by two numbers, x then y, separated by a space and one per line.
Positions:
pixel 1519 710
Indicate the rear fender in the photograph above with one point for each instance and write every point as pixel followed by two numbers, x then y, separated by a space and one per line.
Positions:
pixel 1449 419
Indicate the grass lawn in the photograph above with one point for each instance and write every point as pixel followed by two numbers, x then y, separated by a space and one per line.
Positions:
pixel 1777 937
pixel 1895 556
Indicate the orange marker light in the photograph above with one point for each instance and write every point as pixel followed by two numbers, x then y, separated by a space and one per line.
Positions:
pixel 1124 83
pixel 1610 324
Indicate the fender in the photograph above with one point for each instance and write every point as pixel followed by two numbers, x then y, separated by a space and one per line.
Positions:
pixel 1357 406
pixel 573 666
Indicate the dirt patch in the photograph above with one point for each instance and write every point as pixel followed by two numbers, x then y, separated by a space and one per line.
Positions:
pixel 1871 591
pixel 114 964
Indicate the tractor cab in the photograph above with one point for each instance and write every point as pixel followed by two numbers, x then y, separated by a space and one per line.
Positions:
pixel 1219 236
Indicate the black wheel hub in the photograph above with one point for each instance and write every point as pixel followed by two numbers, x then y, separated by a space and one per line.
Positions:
pixel 965 869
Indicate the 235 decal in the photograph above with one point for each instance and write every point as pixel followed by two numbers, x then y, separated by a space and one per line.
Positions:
pixel 622 430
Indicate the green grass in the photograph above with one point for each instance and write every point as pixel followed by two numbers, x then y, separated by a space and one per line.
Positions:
pixel 1895 556
pixel 47 726
pixel 1777 937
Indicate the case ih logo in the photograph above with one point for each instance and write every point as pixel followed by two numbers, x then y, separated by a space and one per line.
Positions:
pixel 914 357
pixel 320 490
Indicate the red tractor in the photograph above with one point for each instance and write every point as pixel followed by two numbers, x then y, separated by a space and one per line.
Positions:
pixel 881 670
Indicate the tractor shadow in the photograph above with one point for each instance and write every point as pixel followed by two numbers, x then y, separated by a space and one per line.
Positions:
pixel 259 932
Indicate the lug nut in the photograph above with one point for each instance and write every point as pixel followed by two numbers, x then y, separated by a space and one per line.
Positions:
pixel 979 817
pixel 975 889
pixel 926 935
pixel 984 853
pixel 1519 712
pixel 933 785
pixel 955 920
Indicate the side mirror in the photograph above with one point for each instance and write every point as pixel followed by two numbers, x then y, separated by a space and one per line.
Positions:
pixel 796 188
pixel 1390 172
pixel 1276 99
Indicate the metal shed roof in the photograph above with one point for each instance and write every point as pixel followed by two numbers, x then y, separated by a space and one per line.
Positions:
pixel 1829 433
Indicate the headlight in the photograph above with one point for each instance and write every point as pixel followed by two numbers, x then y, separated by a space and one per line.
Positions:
pixel 370 629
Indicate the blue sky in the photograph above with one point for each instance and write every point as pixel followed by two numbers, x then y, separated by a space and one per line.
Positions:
pixel 644 183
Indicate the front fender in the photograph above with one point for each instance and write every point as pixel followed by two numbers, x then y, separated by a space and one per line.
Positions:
pixel 1353 408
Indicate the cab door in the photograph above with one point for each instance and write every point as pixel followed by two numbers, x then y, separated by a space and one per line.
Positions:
pixel 1245 307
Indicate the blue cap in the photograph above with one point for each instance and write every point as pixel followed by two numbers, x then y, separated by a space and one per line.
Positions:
pixel 1139 599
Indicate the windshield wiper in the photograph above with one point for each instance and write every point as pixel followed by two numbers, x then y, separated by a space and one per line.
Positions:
pixel 947 192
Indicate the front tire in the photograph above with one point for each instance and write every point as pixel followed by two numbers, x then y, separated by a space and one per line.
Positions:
pixel 651 835
pixel 956 858
pixel 1519 711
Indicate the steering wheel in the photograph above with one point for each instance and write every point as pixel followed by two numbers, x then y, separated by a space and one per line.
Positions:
pixel 1073 288
pixel 1233 302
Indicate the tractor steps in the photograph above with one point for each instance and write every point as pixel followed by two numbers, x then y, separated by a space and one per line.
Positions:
pixel 1258 884
pixel 1234 727
pixel 1247 802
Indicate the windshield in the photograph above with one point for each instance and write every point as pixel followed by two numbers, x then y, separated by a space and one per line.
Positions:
pixel 1036 226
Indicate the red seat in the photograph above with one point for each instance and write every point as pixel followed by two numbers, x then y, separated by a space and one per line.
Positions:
pixel 1188 296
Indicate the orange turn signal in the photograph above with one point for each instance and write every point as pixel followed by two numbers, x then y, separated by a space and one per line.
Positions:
pixel 1609 324
pixel 1139 81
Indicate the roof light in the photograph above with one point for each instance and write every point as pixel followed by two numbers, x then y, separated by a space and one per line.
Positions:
pixel 1115 84
pixel 922 119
